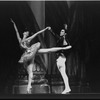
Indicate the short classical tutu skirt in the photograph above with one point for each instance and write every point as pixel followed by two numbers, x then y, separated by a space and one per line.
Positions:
pixel 29 53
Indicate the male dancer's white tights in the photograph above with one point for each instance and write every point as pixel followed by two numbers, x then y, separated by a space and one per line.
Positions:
pixel 62 68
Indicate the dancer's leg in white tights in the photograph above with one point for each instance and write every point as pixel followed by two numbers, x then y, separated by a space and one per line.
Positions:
pixel 62 68
pixel 30 77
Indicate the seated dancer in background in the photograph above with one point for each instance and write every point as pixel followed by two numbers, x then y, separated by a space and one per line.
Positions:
pixel 61 59
pixel 31 51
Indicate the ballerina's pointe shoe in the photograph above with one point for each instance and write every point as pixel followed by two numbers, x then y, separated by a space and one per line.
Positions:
pixel 29 89
pixel 29 92
pixel 67 47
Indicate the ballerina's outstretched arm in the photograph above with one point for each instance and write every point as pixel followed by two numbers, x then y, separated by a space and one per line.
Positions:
pixel 34 35
pixel 29 38
pixel 54 49
pixel 17 33
pixel 18 36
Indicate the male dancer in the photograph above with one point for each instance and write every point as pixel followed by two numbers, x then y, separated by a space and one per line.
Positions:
pixel 61 59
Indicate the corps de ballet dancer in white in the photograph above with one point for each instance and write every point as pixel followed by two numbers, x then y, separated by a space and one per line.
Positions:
pixel 31 51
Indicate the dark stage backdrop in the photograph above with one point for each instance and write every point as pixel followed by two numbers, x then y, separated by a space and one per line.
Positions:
pixel 83 33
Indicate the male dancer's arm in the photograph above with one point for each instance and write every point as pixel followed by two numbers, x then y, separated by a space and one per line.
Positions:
pixel 55 35
pixel 66 38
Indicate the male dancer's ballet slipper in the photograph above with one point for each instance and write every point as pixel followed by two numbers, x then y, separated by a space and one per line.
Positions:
pixel 66 92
